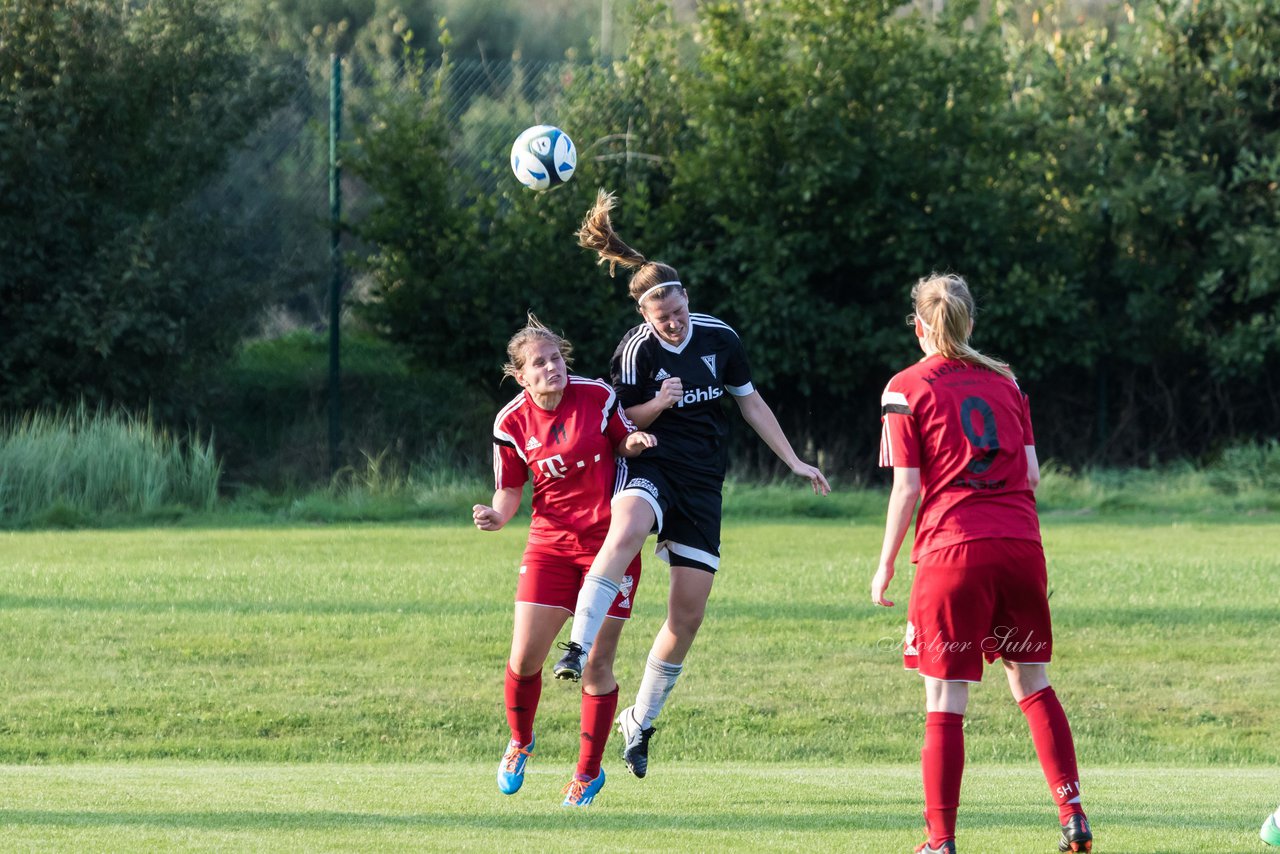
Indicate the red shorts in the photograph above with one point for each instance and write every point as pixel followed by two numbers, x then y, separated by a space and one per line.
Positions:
pixel 553 579
pixel 984 599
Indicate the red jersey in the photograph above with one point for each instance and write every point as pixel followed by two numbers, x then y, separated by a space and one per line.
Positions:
pixel 966 428
pixel 570 451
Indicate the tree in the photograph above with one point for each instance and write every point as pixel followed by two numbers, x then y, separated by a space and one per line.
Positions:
pixel 112 117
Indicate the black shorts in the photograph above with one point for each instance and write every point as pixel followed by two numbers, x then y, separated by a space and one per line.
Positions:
pixel 686 506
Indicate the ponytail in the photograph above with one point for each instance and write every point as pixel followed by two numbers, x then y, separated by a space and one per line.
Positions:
pixel 945 308
pixel 650 279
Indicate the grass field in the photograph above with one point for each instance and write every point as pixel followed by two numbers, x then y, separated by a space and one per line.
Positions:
pixel 680 807
pixel 340 687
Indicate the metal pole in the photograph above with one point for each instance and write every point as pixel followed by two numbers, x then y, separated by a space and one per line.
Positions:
pixel 606 29
pixel 335 259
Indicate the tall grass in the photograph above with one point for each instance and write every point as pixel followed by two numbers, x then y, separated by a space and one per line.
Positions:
pixel 1241 479
pixel 83 464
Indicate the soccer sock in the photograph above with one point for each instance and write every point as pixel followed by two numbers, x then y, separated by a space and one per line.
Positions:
pixel 594 601
pixel 942 764
pixel 655 686
pixel 597 720
pixel 1055 748
pixel 522 695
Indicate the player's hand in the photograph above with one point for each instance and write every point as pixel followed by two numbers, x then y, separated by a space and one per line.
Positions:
pixel 640 440
pixel 816 478
pixel 486 518
pixel 880 584
pixel 671 393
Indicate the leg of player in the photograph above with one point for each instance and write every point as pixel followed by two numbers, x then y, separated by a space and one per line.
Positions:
pixel 942 760
pixel 686 606
pixel 535 629
pixel 599 702
pixel 1055 749
pixel 632 520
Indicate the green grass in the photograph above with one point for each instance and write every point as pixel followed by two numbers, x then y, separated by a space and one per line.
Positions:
pixel 339 687
pixel 680 807
pixel 386 643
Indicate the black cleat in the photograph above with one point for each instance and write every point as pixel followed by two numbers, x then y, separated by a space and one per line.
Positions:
pixel 1076 835
pixel 570 666
pixel 635 742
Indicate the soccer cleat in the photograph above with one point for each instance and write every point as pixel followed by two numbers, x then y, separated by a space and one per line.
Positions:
pixel 1270 832
pixel 511 768
pixel 635 742
pixel 570 666
pixel 580 793
pixel 948 847
pixel 1076 835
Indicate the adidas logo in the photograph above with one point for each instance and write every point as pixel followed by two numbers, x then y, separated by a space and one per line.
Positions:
pixel 662 374
pixel 532 443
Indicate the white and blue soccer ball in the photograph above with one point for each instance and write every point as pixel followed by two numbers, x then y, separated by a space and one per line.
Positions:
pixel 543 157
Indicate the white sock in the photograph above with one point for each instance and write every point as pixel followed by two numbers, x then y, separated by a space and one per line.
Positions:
pixel 655 686
pixel 594 601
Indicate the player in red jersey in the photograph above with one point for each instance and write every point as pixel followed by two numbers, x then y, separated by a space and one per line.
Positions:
pixel 564 431
pixel 671 373
pixel 957 433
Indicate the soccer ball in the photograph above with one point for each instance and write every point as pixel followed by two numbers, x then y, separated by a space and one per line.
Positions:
pixel 543 156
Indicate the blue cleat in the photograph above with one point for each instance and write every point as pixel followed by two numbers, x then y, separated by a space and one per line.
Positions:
pixel 511 768
pixel 580 793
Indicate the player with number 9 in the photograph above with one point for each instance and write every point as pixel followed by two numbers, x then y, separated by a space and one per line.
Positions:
pixel 956 430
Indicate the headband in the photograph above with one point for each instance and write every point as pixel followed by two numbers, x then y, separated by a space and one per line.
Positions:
pixel 658 286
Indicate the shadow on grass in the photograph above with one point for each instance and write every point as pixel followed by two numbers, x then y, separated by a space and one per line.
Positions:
pixel 1168 619
pixel 554 820
pixel 80 604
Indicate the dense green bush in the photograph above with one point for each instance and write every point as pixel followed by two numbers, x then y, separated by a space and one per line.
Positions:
pixel 111 117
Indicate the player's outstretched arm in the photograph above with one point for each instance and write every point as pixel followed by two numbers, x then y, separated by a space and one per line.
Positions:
pixel 506 502
pixel 902 504
pixel 761 418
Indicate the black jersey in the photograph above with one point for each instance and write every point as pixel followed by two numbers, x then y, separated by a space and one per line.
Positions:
pixel 709 362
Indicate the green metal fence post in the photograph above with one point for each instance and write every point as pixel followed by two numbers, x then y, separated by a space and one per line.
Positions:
pixel 335 259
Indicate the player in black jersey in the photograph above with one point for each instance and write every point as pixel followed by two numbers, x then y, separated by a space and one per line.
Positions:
pixel 670 374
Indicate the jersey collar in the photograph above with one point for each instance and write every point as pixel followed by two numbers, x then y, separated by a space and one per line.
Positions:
pixel 673 348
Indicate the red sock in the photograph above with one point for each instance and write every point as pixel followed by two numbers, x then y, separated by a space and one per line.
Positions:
pixel 597 720
pixel 1051 735
pixel 522 694
pixel 942 761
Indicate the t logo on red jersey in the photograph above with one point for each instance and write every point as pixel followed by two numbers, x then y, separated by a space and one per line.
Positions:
pixel 553 466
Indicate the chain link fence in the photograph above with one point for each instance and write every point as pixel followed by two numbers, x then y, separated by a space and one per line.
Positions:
pixel 276 186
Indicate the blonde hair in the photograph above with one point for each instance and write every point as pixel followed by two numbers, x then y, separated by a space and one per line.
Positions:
pixel 945 307
pixel 533 331
pixel 650 279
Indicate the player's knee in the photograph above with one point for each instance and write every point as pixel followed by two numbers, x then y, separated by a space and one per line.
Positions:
pixel 1026 679
pixel 628 536
pixel 524 663
pixel 685 622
